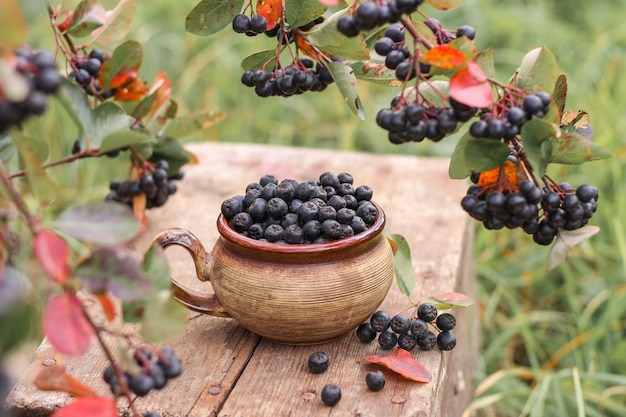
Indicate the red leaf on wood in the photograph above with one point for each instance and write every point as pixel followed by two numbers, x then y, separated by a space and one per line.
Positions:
pixel 470 86
pixel 444 56
pixel 65 325
pixel 271 10
pixel 403 363
pixel 54 378
pixel 52 254
pixel 108 306
pixel 92 407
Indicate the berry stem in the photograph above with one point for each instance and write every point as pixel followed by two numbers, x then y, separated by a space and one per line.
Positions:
pixel 415 33
pixel 71 158
pixel 32 222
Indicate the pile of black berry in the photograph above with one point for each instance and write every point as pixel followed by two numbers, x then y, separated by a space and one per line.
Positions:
pixel 36 72
pixel 301 76
pixel 251 26
pixel 539 211
pixel 370 14
pixel 86 70
pixel 293 212
pixel 156 369
pixel 414 122
pixel 157 185
pixel 510 124
pixel 407 333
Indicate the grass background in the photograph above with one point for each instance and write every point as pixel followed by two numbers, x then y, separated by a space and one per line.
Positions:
pixel 553 342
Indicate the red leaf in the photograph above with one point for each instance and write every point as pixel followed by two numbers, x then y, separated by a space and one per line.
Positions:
pixel 403 363
pixel 444 56
pixel 92 407
pixel 108 306
pixel 65 325
pixel 52 254
pixel 132 91
pixel 471 87
pixel 456 299
pixel 54 378
pixel 271 10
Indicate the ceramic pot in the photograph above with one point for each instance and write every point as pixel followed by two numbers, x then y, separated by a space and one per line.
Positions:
pixel 295 294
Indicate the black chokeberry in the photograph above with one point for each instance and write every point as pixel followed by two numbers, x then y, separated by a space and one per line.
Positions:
pixel 141 384
pixel 445 322
pixel 428 342
pixel 365 333
pixel 446 340
pixel 347 26
pixel 419 328
pixel 387 339
pixel 380 321
pixel 318 362
pixel 258 24
pixel 466 30
pixel 375 380
pixel 427 312
pixel 241 23
pixel 532 104
pixel 400 323
pixel 407 341
pixel 331 394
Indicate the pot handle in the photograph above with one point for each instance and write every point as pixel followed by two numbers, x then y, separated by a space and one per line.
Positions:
pixel 207 304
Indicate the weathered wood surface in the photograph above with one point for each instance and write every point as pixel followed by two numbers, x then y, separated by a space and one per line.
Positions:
pixel 231 372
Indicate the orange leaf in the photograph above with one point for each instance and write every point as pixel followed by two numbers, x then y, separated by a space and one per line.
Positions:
pixel 403 363
pixel 271 10
pixel 52 254
pixel 444 56
pixel 65 325
pixel 54 378
pixel 133 91
pixel 107 304
pixel 306 48
pixel 491 177
pixel 470 86
pixel 92 407
pixel 66 23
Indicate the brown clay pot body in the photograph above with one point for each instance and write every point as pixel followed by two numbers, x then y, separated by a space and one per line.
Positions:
pixel 294 294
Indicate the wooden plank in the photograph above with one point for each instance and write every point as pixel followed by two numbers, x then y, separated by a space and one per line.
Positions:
pixel 226 371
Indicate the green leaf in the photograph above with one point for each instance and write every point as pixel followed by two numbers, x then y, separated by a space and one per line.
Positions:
pixel 559 95
pixel 485 154
pixel 450 300
pixel 7 148
pixel 88 15
pixel 405 273
pixel 121 139
pixel 164 318
pixel 301 12
pixel 485 60
pixel 575 149
pixel 211 16
pixel 123 65
pixel 76 104
pixel 109 269
pixel 347 84
pixel 102 223
pixel 537 135
pixel 187 125
pixel 375 73
pixel 434 90
pixel 565 240
pixel 17 315
pixel 170 150
pixel 257 60
pixel 13 28
pixel 538 71
pixel 458 169
pixel 156 267
pixel 326 37
pixel 117 25
pixel 108 118
pixel 41 184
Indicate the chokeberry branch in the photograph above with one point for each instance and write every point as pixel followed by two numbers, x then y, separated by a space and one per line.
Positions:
pixel 118 373
pixel 415 33
pixel 71 158
pixel 33 223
